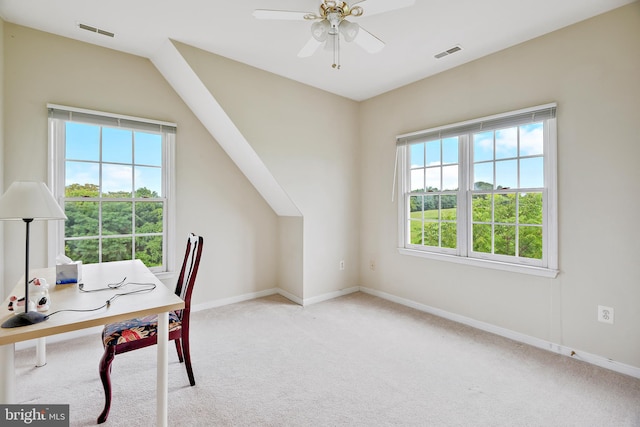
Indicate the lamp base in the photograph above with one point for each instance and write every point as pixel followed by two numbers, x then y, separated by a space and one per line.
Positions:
pixel 24 319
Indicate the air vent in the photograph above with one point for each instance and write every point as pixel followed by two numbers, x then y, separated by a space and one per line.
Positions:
pixel 95 30
pixel 449 51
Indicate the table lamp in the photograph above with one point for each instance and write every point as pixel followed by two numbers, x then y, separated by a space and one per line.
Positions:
pixel 28 201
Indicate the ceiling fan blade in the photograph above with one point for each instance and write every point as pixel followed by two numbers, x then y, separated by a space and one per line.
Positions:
pixel 287 15
pixel 309 48
pixel 368 41
pixel 372 7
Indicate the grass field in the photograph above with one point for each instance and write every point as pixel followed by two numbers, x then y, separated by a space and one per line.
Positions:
pixel 447 214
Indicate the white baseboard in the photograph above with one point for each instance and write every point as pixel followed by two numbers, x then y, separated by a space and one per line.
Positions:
pixel 235 299
pixel 593 359
pixel 330 295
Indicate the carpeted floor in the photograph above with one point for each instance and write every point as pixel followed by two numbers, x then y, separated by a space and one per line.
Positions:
pixel 353 361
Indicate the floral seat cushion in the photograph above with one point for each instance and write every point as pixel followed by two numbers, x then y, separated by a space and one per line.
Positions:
pixel 136 329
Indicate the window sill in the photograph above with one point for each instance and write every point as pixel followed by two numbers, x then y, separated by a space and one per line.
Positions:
pixel 495 265
pixel 165 275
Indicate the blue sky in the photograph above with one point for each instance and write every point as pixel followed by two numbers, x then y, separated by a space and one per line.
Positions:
pixel 126 155
pixel 505 148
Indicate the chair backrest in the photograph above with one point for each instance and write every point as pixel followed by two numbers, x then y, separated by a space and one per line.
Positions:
pixel 188 272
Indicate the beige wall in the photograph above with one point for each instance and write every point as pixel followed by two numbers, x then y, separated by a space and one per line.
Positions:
pixel 213 197
pixel 2 148
pixel 308 139
pixel 592 70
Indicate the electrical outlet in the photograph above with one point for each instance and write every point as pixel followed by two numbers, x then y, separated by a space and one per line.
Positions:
pixel 605 314
pixel 341 265
pixel 372 265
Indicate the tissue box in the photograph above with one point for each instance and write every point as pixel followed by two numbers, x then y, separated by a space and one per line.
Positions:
pixel 69 273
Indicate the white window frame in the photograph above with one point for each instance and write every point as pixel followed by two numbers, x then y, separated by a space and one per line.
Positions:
pixel 58 115
pixel 548 266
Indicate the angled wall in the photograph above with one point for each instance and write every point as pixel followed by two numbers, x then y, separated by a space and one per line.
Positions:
pixel 308 141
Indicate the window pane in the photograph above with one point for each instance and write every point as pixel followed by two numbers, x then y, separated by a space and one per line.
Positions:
pixel 505 240
pixel 506 143
pixel 417 180
pixel 106 168
pixel 82 141
pixel 482 146
pixel 117 145
pixel 432 179
pixel 481 208
pixel 82 219
pixel 415 230
pixel 482 238
pixel 532 139
pixel 449 205
pixel 417 155
pixel 116 181
pixel 532 172
pixel 116 249
pixel 450 150
pixel 82 250
pixel 81 179
pixel 450 177
pixel 149 217
pixel 116 218
pixel 483 176
pixel 148 181
pixel 415 205
pixel 530 242
pixel 505 208
pixel 433 153
pixel 530 208
pixel 500 167
pixel 507 174
pixel 415 223
pixel 149 250
pixel 148 149
pixel 431 237
pixel 449 235
pixel 431 207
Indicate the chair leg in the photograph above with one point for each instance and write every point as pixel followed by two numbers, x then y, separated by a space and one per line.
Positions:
pixel 187 359
pixel 179 349
pixel 105 376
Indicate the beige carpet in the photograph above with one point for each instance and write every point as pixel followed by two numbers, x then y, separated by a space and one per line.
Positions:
pixel 354 361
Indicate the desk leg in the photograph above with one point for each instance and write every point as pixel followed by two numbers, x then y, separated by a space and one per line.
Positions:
pixel 8 373
pixel 163 367
pixel 41 352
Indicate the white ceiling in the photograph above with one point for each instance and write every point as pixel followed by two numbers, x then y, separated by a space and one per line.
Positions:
pixel 413 35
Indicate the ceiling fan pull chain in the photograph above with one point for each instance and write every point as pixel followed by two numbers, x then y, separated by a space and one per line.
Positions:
pixel 336 50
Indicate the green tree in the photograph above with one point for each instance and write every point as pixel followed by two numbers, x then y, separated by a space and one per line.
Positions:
pixel 117 219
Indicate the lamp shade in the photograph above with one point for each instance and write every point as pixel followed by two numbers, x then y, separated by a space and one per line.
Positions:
pixel 29 200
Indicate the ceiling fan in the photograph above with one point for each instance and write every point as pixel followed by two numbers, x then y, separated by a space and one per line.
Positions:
pixel 330 22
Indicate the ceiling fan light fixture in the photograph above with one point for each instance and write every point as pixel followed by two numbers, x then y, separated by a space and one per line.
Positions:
pixel 320 29
pixel 330 23
pixel 349 30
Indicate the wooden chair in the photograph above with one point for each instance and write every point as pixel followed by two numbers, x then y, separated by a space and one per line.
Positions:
pixel 142 332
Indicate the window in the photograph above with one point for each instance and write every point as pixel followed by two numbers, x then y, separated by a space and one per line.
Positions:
pixel 112 175
pixel 483 192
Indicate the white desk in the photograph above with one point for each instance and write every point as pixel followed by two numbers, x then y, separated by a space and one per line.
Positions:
pixel 160 301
